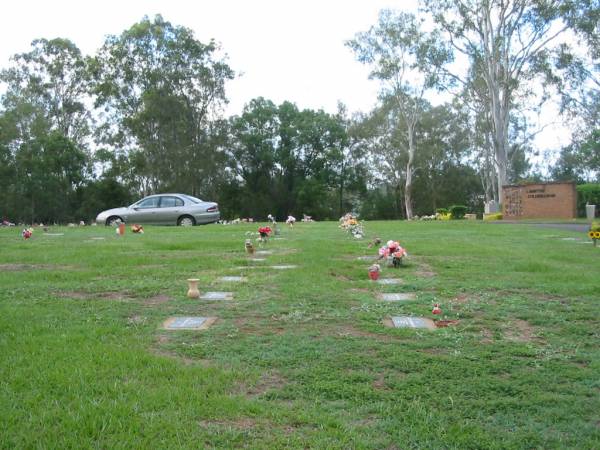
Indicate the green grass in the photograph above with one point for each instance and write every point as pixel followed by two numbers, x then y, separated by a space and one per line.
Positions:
pixel 300 358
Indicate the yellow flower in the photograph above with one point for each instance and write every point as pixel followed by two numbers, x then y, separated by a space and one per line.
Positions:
pixel 591 234
pixel 596 235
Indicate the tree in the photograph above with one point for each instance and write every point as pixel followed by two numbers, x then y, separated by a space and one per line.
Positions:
pixel 48 86
pixel 407 61
pixel 509 43
pixel 160 91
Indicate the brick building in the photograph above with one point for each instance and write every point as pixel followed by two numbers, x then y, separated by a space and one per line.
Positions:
pixel 540 200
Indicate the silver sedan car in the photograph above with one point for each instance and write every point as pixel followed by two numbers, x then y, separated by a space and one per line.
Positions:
pixel 163 209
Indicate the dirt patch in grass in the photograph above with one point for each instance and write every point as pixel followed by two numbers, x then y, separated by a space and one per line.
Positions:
pixel 425 273
pixel 269 381
pixel 157 300
pixel 111 295
pixel 520 331
pixel 349 330
pixel 460 299
pixel 379 383
pixel 238 424
pixel 24 267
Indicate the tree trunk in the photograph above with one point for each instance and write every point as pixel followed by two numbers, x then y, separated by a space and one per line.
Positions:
pixel 409 171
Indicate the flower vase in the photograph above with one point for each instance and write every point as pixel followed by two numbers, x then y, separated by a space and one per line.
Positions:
pixel 374 275
pixel 193 291
pixel 397 262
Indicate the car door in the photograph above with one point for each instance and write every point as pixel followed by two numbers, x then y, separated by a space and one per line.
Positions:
pixel 170 209
pixel 146 211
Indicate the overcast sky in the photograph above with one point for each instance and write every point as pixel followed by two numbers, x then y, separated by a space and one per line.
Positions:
pixel 281 49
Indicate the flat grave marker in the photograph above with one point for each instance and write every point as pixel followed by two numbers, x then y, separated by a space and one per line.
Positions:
pixel 413 322
pixel 217 296
pixel 366 258
pixel 284 267
pixel 569 239
pixel 264 252
pixel 389 281
pixel 397 297
pixel 229 279
pixel 188 323
pixel 258 259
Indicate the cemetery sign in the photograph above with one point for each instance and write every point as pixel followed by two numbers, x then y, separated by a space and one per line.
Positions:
pixel 540 200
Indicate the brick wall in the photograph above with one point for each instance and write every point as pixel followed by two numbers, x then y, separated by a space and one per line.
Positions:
pixel 545 200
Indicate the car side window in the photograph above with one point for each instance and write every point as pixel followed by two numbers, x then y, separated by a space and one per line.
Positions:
pixel 170 202
pixel 148 203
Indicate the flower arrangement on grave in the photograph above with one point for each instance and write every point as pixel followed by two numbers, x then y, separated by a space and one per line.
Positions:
pixel 351 224
pixel 291 220
pixel 264 233
pixel 393 253
pixel 374 270
pixel 594 233
pixel 138 229
pixel 27 233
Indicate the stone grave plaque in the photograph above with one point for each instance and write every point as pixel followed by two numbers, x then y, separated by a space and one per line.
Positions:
pixel 188 323
pixel 366 258
pixel 264 252
pixel 585 242
pixel 397 297
pixel 283 267
pixel 217 296
pixel 233 279
pixel 413 322
pixel 97 238
pixel 258 259
pixel 54 234
pixel 569 239
pixel 389 281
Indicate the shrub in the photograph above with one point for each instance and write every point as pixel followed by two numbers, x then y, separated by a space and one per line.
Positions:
pixel 587 194
pixel 496 216
pixel 458 211
pixel 447 216
pixel 442 211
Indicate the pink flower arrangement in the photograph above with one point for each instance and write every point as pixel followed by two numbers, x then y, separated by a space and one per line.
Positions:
pixel 392 250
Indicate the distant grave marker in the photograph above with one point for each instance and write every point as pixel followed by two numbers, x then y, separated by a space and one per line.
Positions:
pixel 366 258
pixel 54 234
pixel 389 281
pixel 233 279
pixel 97 238
pixel 284 267
pixel 413 322
pixel 264 252
pixel 188 323
pixel 258 259
pixel 217 296
pixel 569 239
pixel 397 297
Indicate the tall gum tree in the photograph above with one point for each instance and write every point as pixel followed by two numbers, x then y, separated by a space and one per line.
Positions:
pixel 407 61
pixel 509 42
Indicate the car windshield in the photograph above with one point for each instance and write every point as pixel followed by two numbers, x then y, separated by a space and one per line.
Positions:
pixel 192 199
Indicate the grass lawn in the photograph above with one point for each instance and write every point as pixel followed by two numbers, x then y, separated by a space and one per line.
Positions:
pixel 300 358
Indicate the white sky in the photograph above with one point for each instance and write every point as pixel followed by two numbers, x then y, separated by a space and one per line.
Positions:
pixel 284 50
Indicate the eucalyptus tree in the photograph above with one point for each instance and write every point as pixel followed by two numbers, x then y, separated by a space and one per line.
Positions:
pixel 509 42
pixel 46 90
pixel 407 61
pixel 159 92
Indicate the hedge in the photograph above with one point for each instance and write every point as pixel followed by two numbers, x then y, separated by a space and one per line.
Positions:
pixel 587 194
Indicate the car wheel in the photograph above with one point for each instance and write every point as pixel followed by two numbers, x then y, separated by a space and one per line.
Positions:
pixel 113 220
pixel 186 221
